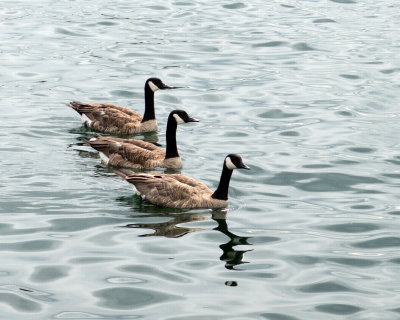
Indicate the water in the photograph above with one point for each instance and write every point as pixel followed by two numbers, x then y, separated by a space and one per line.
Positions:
pixel 306 91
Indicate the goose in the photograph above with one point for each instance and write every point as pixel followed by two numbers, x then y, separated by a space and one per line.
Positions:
pixel 179 191
pixel 138 154
pixel 112 118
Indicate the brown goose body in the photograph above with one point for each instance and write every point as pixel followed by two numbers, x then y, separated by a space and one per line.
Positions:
pixel 115 119
pixel 173 190
pixel 179 191
pixel 138 154
pixel 111 118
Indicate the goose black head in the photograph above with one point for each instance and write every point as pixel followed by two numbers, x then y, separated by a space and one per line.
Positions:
pixel 234 161
pixel 156 84
pixel 181 116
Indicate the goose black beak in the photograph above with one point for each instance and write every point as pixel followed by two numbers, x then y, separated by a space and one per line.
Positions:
pixel 193 120
pixel 243 166
pixel 168 87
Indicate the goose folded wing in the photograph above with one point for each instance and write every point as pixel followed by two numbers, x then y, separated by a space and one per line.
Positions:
pixel 142 144
pixel 163 189
pixel 111 116
pixel 137 154
pixel 196 186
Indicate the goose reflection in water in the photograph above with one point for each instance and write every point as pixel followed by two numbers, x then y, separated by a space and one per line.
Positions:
pixel 231 256
pixel 171 228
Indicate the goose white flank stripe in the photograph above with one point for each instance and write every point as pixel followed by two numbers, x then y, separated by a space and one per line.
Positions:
pixel 104 158
pixel 85 120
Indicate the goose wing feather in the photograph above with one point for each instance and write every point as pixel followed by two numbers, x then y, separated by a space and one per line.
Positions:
pixel 102 107
pixel 129 152
pixel 108 117
pixel 173 190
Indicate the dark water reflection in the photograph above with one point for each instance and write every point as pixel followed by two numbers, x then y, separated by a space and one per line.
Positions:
pixel 230 256
pixel 172 228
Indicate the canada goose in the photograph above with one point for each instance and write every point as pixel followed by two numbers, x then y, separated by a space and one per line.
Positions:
pixel 111 118
pixel 178 191
pixel 138 154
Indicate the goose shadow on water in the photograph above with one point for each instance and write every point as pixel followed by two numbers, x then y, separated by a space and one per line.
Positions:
pixel 176 217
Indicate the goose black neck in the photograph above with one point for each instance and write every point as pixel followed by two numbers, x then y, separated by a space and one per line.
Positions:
pixel 222 191
pixel 172 149
pixel 149 113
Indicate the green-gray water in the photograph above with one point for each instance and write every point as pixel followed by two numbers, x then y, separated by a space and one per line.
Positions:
pixel 306 91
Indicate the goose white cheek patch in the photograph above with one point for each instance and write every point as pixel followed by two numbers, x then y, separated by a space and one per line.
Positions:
pixel 178 119
pixel 153 87
pixel 229 164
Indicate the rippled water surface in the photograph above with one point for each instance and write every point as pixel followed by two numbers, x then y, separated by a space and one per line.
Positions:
pixel 306 91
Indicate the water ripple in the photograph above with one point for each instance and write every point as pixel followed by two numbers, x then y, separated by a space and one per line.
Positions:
pixel 352 227
pixel 344 1
pixel 19 303
pixel 321 182
pixel 150 271
pixel 382 242
pixel 278 316
pixel 327 286
pixel 131 298
pixel 339 309
pixel 271 44
pixel 30 245
pixel 355 262
pixel 237 5
pixel 49 273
